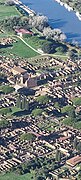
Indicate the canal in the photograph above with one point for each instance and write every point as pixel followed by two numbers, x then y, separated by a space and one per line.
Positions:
pixel 58 17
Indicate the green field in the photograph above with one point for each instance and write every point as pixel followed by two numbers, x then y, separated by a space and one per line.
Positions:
pixel 19 49
pixel 13 176
pixel 7 11
pixel 35 42
pixel 14 111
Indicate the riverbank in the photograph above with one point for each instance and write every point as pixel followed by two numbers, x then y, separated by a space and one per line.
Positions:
pixel 69 8
pixel 33 44
pixel 24 7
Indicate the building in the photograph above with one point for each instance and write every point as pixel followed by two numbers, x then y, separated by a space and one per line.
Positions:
pixel 17 70
pixel 23 78
pixel 30 81
pixel 74 161
pixel 21 32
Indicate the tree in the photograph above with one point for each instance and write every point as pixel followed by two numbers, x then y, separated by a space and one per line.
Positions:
pixel 77 101
pixel 5 111
pixel 9 3
pixel 63 37
pixel 7 89
pixel 18 103
pixel 75 143
pixel 23 103
pixel 37 112
pixel 4 123
pixel 69 110
pixel 58 156
pixel 55 34
pixel 60 49
pixel 38 22
pixel 27 136
pixel 15 22
pixel 43 99
pixel 48 47
pixel 79 147
pixel 71 113
pixel 27 105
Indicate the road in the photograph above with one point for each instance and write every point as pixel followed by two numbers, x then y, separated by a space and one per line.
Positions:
pixel 53 55
pixel 29 45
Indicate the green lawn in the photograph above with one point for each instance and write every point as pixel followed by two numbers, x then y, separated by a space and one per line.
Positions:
pixel 19 49
pixel 62 56
pixel 7 11
pixel 13 176
pixel 3 35
pixel 14 111
pixel 35 41
pixel 13 108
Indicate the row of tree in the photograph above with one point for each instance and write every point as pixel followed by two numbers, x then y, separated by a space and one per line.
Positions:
pixel 22 103
pixel 55 34
pixel 39 22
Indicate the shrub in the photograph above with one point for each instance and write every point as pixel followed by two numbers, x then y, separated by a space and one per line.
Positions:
pixel 27 136
pixel 37 112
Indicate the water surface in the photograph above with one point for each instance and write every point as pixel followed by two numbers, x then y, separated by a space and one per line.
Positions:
pixel 59 17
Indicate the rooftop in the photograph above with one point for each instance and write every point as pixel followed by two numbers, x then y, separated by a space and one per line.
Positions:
pixel 23 31
pixel 19 69
pixel 74 161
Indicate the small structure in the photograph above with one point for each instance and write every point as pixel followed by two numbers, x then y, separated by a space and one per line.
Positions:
pixel 30 81
pixel 22 32
pixel 74 161
pixel 23 78
pixel 18 70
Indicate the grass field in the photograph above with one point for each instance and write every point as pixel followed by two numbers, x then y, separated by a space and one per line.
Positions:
pixel 63 56
pixel 35 42
pixel 7 11
pixel 17 111
pixel 14 111
pixel 20 49
pixel 13 108
pixel 13 176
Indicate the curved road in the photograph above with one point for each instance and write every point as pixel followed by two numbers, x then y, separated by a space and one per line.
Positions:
pixel 29 45
pixel 54 55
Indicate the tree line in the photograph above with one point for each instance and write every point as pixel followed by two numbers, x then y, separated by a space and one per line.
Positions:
pixel 22 103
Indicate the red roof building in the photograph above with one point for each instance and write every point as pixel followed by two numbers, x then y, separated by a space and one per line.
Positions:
pixel 23 31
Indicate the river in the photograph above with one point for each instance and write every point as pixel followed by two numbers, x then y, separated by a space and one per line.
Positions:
pixel 58 17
